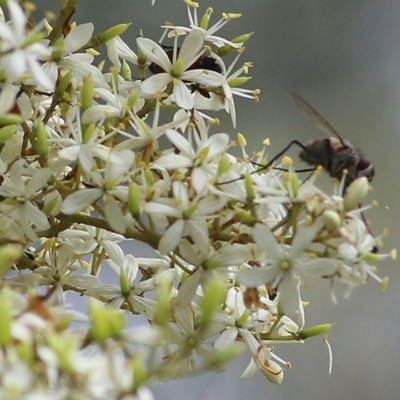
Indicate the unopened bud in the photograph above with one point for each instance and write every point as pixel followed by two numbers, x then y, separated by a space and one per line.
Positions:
pixel 314 331
pixel 163 299
pixel 10 119
pixel 134 199
pixel 224 164
pixel 58 50
pixel 332 220
pixel 41 140
pixel 112 32
pixel 8 256
pixel 63 84
pixel 355 193
pixel 215 293
pixel 126 71
pixel 7 132
pixel 249 186
pixel 87 93
pixel 106 322
pixel 6 318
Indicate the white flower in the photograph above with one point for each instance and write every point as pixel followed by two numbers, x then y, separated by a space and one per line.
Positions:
pixel 20 56
pixel 147 135
pixel 263 360
pixel 84 239
pixel 79 63
pixel 24 190
pixel 59 268
pixel 176 72
pixel 190 217
pixel 129 290
pixel 209 32
pixel 354 253
pixel 201 160
pixel 107 185
pixel 224 98
pixel 117 48
pixel 285 266
pixel 191 340
pixel 238 318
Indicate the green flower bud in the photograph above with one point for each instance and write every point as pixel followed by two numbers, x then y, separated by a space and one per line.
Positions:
pixel 331 220
pixel 63 84
pixel 58 50
pixel 115 72
pixel 88 133
pixel 132 100
pixel 294 183
pixel 112 32
pixel 65 106
pixel 163 300
pixel 355 193
pixel 224 164
pixel 41 140
pixel 245 37
pixel 87 93
pixel 106 322
pixel 202 155
pixel 314 331
pixel 139 370
pixel 52 203
pixel 141 59
pixel 10 119
pixel 245 217
pixel 126 71
pixel 5 318
pixel 149 177
pixel 34 37
pixel 26 352
pixel 226 49
pixel 214 295
pixel 134 199
pixel 8 256
pixel 248 184
pixel 211 264
pixel 218 360
pixel 64 349
pixel 7 132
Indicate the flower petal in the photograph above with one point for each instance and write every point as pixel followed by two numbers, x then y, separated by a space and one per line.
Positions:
pixel 80 200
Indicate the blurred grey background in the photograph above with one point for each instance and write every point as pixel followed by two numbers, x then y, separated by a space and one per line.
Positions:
pixel 343 56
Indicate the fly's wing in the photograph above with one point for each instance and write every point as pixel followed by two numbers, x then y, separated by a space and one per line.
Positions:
pixel 317 117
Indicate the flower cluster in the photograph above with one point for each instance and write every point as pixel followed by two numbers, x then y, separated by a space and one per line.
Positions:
pixel 86 165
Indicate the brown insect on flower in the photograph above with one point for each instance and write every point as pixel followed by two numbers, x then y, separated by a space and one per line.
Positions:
pixel 336 155
pixel 333 153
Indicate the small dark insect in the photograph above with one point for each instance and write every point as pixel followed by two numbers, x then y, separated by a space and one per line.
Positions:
pixel 333 153
pixel 203 62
